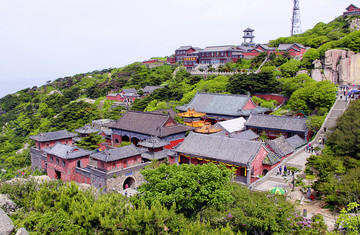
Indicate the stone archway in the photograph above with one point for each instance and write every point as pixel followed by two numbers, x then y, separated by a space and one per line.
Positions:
pixel 129 183
pixel 265 171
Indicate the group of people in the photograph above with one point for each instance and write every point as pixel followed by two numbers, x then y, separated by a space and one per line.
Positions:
pixel 309 148
pixel 284 171
pixel 345 91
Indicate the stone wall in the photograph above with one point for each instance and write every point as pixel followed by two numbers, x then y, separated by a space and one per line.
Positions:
pixel 36 158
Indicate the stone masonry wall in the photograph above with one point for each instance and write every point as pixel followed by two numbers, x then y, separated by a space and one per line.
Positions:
pixel 36 158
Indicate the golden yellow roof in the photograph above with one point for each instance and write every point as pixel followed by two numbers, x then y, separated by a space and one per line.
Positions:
pixel 191 113
pixel 207 128
pixel 199 123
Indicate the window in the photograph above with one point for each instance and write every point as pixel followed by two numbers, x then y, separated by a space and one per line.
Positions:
pixel 116 140
pixel 79 164
pixel 102 165
pixel 57 161
pixel 47 145
pixel 63 163
pixel 51 159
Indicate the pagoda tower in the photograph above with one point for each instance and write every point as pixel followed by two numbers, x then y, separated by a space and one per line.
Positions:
pixel 192 118
pixel 248 37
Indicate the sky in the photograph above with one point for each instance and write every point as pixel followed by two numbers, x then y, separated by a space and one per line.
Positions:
pixel 44 40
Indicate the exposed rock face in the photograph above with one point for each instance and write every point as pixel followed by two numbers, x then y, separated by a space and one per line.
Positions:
pixel 8 205
pixel 340 67
pixel 6 225
pixel 355 24
pixel 22 231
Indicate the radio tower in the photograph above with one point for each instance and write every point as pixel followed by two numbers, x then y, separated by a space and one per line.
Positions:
pixel 295 20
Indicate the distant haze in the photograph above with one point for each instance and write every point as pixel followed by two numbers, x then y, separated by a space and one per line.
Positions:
pixel 44 40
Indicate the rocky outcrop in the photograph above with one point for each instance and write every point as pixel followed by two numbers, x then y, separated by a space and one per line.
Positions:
pixel 22 231
pixel 7 205
pixel 6 225
pixel 340 67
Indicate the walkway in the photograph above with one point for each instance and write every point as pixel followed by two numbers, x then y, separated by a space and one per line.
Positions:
pixel 299 158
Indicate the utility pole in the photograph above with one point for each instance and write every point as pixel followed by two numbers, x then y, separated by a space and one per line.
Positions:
pixel 295 20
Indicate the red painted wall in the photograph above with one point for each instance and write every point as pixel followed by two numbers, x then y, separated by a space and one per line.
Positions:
pixel 117 97
pixel 67 171
pixel 280 99
pixel 257 163
pixel 42 145
pixel 120 163
pixel 249 105
pixel 114 137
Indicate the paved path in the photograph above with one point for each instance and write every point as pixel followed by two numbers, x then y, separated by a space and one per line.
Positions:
pixel 300 160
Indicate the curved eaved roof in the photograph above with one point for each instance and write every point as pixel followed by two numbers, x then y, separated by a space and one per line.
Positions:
pixel 55 135
pixel 277 122
pixel 221 104
pixel 67 152
pixel 110 155
pixel 223 149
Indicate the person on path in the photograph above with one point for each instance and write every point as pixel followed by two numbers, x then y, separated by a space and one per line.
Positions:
pixel 308 193
pixel 285 170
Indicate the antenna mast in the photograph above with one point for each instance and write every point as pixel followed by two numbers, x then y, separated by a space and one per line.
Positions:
pixel 295 20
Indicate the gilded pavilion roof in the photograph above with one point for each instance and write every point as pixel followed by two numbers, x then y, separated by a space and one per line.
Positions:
pixel 207 128
pixel 191 113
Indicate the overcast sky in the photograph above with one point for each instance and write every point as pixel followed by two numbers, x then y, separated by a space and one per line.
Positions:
pixel 43 40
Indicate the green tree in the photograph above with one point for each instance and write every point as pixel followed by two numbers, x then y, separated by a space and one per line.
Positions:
pixel 350 223
pixel 313 96
pixel 291 84
pixel 344 140
pixel 191 187
pixel 90 142
pixel 309 56
pixel 290 68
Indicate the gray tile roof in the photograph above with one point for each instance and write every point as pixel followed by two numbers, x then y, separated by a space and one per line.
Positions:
pixel 55 135
pixel 277 122
pixel 171 112
pixel 220 48
pixel 154 155
pixel 248 30
pixel 221 104
pixel 280 146
pixel 150 89
pixel 181 48
pixel 113 94
pixel 266 47
pixel 154 142
pixel 220 133
pixel 296 141
pixel 110 155
pixel 271 159
pixel 129 90
pixel 87 129
pixel 228 150
pixel 148 123
pixel 106 132
pixel 285 47
pixel 245 135
pixel 67 152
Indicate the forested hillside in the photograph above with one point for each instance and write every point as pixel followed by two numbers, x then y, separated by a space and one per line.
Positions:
pixel 70 102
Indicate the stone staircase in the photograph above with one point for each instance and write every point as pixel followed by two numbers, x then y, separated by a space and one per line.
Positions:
pixel 299 158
